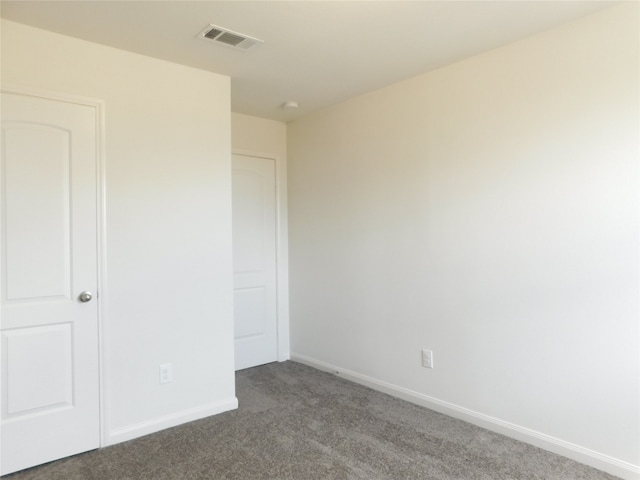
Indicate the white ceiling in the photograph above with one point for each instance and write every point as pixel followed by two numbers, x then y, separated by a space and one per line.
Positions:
pixel 316 52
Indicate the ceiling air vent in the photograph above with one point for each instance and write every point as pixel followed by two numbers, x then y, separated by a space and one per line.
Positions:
pixel 228 38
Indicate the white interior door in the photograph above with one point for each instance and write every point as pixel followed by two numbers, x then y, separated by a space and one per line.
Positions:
pixel 50 376
pixel 254 260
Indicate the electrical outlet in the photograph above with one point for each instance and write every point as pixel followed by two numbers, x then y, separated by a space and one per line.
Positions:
pixel 427 358
pixel 166 373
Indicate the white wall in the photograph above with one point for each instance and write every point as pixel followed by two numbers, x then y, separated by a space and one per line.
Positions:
pixel 168 291
pixel 261 137
pixel 487 211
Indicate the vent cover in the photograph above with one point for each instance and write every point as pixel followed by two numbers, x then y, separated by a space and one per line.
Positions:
pixel 229 38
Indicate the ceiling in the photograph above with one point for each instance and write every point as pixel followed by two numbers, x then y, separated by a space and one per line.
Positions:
pixel 317 53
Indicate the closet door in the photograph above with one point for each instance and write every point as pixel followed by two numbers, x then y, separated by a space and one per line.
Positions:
pixel 254 257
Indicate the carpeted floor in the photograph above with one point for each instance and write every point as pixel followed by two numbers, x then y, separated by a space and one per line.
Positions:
pixel 297 423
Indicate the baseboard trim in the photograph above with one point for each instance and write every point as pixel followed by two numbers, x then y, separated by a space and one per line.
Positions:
pixel 145 428
pixel 580 454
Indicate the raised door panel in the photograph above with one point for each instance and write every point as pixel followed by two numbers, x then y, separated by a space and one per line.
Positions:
pixel 36 192
pixel 250 312
pixel 36 383
pixel 248 221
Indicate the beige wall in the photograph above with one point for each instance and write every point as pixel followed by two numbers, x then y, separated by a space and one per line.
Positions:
pixel 168 291
pixel 487 211
pixel 258 135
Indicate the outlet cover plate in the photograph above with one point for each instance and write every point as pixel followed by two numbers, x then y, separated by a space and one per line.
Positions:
pixel 427 358
pixel 166 373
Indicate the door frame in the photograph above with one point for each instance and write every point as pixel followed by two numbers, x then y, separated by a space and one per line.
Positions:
pixel 99 109
pixel 282 250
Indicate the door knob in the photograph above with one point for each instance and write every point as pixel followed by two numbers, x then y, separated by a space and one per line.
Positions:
pixel 85 297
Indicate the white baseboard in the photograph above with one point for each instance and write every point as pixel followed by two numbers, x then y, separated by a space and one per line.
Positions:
pixel 144 428
pixel 580 454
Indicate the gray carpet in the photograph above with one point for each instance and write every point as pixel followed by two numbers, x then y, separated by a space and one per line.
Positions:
pixel 297 423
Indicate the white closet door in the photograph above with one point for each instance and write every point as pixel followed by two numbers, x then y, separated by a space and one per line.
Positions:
pixel 254 257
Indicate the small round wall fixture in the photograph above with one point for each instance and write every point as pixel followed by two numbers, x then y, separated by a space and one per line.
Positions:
pixel 290 105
